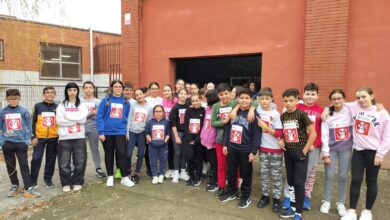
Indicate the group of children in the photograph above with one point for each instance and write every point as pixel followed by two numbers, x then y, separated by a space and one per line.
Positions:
pixel 189 127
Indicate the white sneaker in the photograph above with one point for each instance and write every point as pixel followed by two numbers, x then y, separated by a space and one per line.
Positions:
pixel 351 215
pixel 365 215
pixel 110 181
pixel 205 168
pixel 168 174
pixel 155 180
pixel 341 209
pixel 175 176
pixel 127 182
pixel 183 175
pixel 77 187
pixel 325 207
pixel 66 189
pixel 160 179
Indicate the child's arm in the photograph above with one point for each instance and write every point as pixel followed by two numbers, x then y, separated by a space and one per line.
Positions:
pixel 28 127
pixel 129 119
pixel 1 128
pixel 312 136
pixel 226 138
pixel 187 134
pixel 256 137
pixel 251 113
pixel 385 143
pixel 215 122
pixel 60 117
pixel 34 121
pixel 100 117
pixel 325 142
pixel 147 131
pixel 80 118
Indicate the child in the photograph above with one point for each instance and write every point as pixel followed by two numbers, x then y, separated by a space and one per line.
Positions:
pixel 157 135
pixel 176 119
pixel 298 137
pixel 193 123
pixel 371 142
pixel 271 154
pixel 45 137
pixel 90 125
pixel 15 136
pixel 140 113
pixel 208 137
pixel 194 88
pixel 169 100
pixel 71 117
pixel 242 139
pixel 178 86
pixel 336 149
pixel 128 91
pixel 111 122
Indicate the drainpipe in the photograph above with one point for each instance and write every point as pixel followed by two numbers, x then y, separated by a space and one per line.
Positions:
pixel 91 52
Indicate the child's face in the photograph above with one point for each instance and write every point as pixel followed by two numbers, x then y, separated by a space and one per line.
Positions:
pixel 72 93
pixel 13 101
pixel 364 99
pixel 290 102
pixel 88 90
pixel 153 90
pixel 195 101
pixel 179 85
pixel 188 87
pixel 158 113
pixel 224 97
pixel 182 95
pixel 117 89
pixel 194 89
pixel 210 86
pixel 167 92
pixel 252 87
pixel 337 100
pixel 49 95
pixel 233 94
pixel 139 96
pixel 265 101
pixel 245 101
pixel 310 97
pixel 128 93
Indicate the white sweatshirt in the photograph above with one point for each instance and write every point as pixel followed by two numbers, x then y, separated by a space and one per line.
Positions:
pixel 71 120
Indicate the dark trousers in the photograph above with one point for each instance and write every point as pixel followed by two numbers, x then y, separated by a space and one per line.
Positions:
pixel 212 158
pixel 194 154
pixel 74 150
pixel 115 145
pixel 147 158
pixel 296 168
pixel 364 160
pixel 11 151
pixel 170 154
pixel 239 161
pixel 140 140
pixel 158 153
pixel 50 144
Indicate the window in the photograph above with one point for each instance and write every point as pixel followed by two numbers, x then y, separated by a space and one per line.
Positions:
pixel 1 50
pixel 60 62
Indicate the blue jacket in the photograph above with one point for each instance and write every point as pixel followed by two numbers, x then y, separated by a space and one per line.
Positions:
pixel 111 117
pixel 15 124
pixel 241 135
pixel 158 130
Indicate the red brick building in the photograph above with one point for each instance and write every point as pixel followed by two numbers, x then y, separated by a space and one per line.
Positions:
pixel 336 43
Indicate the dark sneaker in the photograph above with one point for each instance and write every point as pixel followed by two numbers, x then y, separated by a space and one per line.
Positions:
pixel 276 207
pixel 212 187
pixel 136 179
pixel 263 202
pixel 306 203
pixel 220 192
pixel 244 203
pixel 100 173
pixel 49 184
pixel 31 193
pixel 287 213
pixel 149 173
pixel 196 182
pixel 189 182
pixel 15 190
pixel 226 197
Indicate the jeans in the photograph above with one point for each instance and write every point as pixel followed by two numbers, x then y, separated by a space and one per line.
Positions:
pixel 158 153
pixel 51 145
pixel 74 150
pixel 140 140
pixel 311 170
pixel 179 158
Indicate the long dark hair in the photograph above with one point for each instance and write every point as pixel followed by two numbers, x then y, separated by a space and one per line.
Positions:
pixel 339 91
pixel 72 85
pixel 113 82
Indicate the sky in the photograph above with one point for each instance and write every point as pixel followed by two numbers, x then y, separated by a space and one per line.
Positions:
pixel 100 15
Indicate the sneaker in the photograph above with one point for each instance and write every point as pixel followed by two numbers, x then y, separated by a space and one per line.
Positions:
pixel 118 174
pixel 100 173
pixel 226 197
pixel 160 179
pixel 189 182
pixel 155 180
pixel 127 182
pixel 31 193
pixel 244 203
pixel 286 203
pixel 287 213
pixel 168 174
pixel 212 187
pixel 351 215
pixel 35 185
pixel 110 181
pixel 77 187
pixel 297 216
pixel 136 178
pixel 175 176
pixel 263 202
pixel 366 215
pixel 149 173
pixel 66 189
pixel 49 184
pixel 276 207
pixel 325 207
pixel 306 203
pixel 220 192
pixel 15 190
pixel 341 209
pixel 196 182
pixel 184 176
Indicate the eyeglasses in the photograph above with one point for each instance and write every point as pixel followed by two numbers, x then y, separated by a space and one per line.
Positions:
pixel 337 99
pixel 50 92
pixel 12 98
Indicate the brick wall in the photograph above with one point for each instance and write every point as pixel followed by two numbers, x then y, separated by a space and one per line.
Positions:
pixel 326 38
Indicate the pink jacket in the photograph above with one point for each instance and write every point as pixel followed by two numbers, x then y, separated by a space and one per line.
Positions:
pixel 208 134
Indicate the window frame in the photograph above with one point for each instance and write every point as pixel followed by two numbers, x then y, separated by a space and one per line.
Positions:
pixel 60 62
pixel 1 50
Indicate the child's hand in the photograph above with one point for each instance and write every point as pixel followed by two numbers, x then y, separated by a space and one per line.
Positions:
pixel 281 144
pixel 325 114
pixel 251 157
pixel 224 150
pixel 226 120
pixel 148 139
pixel 192 142
pixel 378 161
pixel 327 160
pixel 178 140
pixel 251 115
pixel 380 107
pixel 103 138
pixel 34 142
pixel 312 148
pixel 261 123
pixel 305 151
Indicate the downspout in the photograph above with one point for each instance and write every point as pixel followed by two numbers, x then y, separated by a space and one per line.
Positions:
pixel 91 53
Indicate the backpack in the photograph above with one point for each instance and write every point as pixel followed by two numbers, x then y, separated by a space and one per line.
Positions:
pixel 208 135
